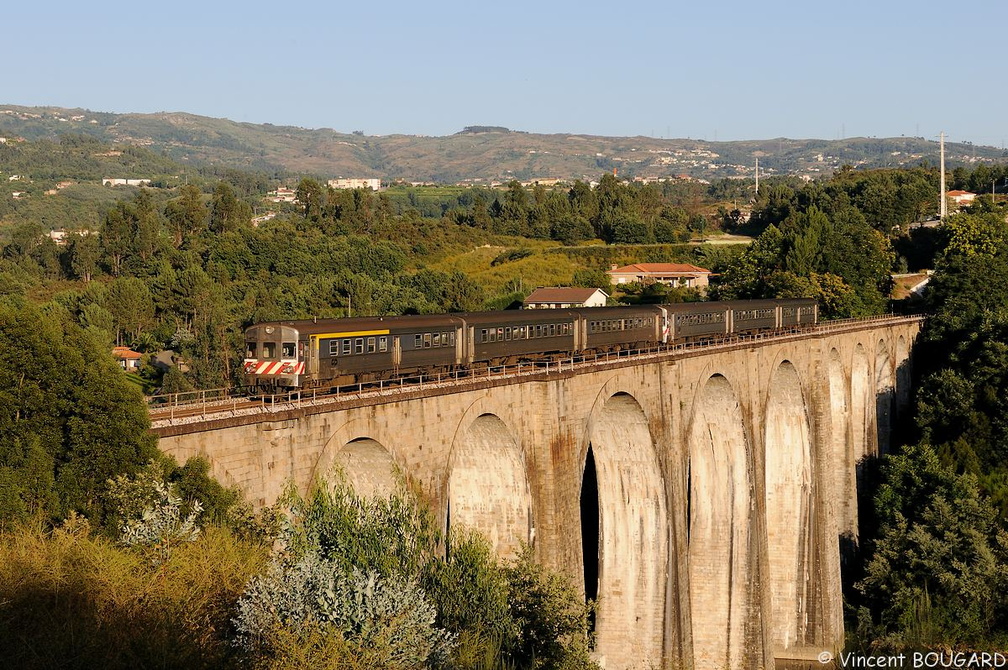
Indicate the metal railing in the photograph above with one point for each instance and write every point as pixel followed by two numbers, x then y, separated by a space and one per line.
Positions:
pixel 201 404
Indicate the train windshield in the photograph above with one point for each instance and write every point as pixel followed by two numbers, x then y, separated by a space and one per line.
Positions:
pixel 250 350
pixel 288 350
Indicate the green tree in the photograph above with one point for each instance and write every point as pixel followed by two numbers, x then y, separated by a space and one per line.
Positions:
pixel 131 305
pixel 938 572
pixel 72 402
pixel 186 214
pixel 116 235
pixel 84 255
pixel 311 198
pixel 147 231
pixel 226 212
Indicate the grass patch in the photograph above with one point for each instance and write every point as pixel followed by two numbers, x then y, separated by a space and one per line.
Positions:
pixel 72 600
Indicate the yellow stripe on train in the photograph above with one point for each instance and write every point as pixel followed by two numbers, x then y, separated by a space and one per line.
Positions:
pixel 352 333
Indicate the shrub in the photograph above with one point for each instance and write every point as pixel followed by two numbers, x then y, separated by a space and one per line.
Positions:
pixel 312 602
pixel 69 599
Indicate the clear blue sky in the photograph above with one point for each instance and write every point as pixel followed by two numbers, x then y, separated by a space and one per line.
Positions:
pixel 711 70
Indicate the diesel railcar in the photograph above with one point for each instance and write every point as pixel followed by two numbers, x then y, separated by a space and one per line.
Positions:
pixel 334 352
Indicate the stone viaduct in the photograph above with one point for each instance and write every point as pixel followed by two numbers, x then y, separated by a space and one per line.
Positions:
pixel 700 494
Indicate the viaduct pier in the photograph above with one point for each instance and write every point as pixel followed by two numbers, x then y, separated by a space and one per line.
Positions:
pixel 700 493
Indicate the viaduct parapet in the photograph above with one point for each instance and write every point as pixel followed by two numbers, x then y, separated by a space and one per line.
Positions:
pixel 700 495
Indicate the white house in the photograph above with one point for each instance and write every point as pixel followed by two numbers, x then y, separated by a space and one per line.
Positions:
pixel 119 181
pixel 961 197
pixel 565 297
pixel 371 183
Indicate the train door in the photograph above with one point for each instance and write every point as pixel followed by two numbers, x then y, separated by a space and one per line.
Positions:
pixel 470 345
pixel 665 324
pixel 396 352
pixel 311 356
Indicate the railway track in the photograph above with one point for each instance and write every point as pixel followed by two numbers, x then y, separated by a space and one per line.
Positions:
pixel 199 406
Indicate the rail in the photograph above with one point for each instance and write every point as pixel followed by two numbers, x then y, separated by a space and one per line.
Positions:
pixel 166 409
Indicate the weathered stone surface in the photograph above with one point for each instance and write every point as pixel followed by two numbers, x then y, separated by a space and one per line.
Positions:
pixel 725 478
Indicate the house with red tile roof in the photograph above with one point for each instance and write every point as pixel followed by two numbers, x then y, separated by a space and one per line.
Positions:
pixel 127 358
pixel 961 197
pixel 671 274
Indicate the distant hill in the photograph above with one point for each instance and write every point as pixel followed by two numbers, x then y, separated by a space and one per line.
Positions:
pixel 478 154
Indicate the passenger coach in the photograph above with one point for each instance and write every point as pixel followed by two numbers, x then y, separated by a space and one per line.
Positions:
pixel 334 352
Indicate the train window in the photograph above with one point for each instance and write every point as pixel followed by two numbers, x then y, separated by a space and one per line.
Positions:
pixel 451 338
pixel 269 350
pixel 426 341
pixel 552 330
pixel 358 345
pixel 347 344
pixel 493 334
pixel 250 349
pixel 382 344
pixel 500 334
pixel 370 345
pixel 483 335
pixel 417 341
pixel 538 331
pixel 507 333
pixel 333 347
pixel 436 341
pixel 287 350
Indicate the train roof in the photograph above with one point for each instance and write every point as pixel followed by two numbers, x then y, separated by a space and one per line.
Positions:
pixel 315 326
pixel 435 321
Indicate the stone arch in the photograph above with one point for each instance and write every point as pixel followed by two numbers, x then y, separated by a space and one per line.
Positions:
pixel 632 534
pixel 903 376
pixel 862 415
pixel 719 528
pixel 789 508
pixel 488 487
pixel 841 453
pixel 367 466
pixel 862 392
pixel 884 395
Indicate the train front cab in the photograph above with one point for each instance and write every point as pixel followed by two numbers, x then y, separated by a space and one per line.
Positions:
pixel 274 357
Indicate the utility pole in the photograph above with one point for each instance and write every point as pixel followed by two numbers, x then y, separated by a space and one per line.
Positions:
pixel 943 205
pixel 757 176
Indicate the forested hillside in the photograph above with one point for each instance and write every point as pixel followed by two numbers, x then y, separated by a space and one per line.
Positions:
pixel 188 261
pixel 477 154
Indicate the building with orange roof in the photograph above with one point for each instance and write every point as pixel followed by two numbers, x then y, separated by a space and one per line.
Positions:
pixel 671 274
pixel 127 358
